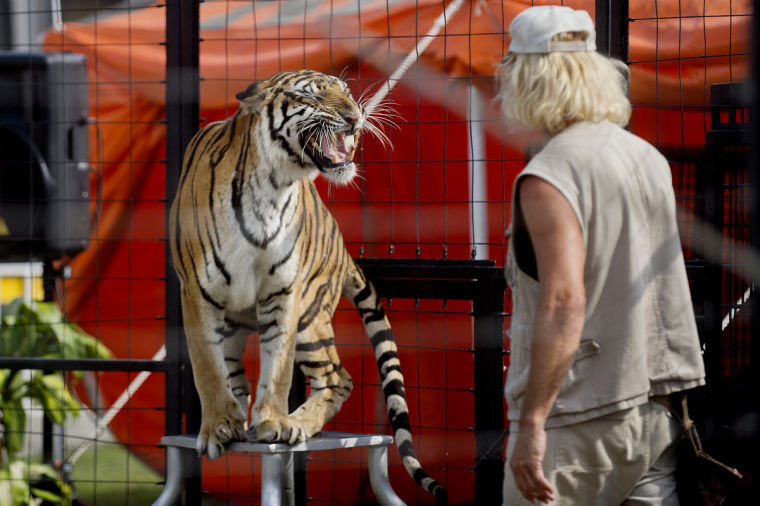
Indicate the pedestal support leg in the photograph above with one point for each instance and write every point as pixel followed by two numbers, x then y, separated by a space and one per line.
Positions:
pixel 174 477
pixel 378 477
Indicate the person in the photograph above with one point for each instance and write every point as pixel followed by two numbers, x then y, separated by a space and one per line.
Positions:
pixel 603 329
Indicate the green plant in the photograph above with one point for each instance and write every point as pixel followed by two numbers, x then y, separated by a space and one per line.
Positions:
pixel 36 331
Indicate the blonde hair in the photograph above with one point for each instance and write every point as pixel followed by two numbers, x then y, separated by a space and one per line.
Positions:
pixel 554 90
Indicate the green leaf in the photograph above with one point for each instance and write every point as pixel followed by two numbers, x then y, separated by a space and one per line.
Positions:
pixel 14 423
pixel 16 383
pixel 39 471
pixel 51 322
pixel 44 473
pixel 73 341
pixel 19 487
pixel 39 330
pixel 42 331
pixel 16 336
pixel 47 495
pixel 55 382
pixel 6 496
pixel 12 308
pixel 50 391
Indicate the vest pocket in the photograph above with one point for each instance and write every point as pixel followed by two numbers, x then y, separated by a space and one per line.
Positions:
pixel 586 349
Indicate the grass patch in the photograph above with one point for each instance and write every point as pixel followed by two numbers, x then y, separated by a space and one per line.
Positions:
pixel 108 474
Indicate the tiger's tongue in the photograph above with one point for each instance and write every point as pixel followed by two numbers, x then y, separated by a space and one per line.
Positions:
pixel 341 151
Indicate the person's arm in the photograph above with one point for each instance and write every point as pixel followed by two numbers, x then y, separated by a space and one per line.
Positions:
pixel 560 256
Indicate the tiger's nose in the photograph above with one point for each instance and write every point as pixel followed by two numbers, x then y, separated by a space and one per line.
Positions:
pixel 352 118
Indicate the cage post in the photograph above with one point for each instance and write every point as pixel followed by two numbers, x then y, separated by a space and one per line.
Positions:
pixel 48 290
pixel 754 180
pixel 754 195
pixel 182 120
pixel 612 28
pixel 712 332
pixel 296 397
pixel 488 370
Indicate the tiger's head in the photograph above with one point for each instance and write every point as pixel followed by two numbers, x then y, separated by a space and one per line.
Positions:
pixel 312 120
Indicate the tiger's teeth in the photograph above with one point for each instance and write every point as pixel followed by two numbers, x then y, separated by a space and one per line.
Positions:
pixel 351 155
pixel 335 159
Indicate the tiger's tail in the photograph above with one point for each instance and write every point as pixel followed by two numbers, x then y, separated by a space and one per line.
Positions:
pixel 367 302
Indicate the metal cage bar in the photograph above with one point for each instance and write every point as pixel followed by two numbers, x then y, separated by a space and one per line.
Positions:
pixel 182 120
pixel 612 28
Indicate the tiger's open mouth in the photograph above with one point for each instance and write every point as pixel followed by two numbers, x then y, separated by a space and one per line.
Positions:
pixel 333 150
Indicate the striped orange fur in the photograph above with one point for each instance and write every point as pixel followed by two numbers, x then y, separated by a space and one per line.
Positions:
pixel 256 250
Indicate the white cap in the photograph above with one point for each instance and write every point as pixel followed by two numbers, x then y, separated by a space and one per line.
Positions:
pixel 532 30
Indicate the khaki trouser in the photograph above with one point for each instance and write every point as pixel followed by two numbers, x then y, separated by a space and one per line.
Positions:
pixel 626 458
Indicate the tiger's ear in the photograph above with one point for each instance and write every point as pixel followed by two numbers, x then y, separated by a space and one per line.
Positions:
pixel 248 92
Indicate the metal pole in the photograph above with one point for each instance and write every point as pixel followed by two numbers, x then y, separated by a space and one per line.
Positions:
pixel 296 397
pixel 182 120
pixel 612 28
pixel 488 367
pixel 477 147
pixel 271 484
pixel 48 288
pixel 754 179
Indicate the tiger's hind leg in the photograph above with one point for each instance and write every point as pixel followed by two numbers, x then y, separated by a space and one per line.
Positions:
pixel 318 359
pixel 330 383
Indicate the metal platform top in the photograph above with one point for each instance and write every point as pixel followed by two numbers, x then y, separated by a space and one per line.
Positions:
pixel 320 441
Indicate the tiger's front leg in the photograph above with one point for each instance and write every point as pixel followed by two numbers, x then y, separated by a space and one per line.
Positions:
pixel 278 320
pixel 235 333
pixel 223 418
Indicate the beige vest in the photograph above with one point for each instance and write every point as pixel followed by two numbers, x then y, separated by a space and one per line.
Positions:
pixel 640 336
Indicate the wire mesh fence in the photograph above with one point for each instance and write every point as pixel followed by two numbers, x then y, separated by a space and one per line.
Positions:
pixel 440 191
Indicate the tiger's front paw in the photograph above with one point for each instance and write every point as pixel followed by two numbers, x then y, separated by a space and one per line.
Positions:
pixel 280 430
pixel 218 429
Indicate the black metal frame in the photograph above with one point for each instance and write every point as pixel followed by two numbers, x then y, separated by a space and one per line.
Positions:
pixel 478 281
pixel 483 283
pixel 754 178
pixel 183 412
pixel 82 364
pixel 726 146
pixel 612 28
pixel 726 410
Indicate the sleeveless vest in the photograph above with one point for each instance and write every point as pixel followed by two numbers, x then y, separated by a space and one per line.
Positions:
pixel 640 337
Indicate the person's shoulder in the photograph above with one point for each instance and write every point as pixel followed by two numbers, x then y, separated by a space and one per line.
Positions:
pixel 591 131
pixel 591 139
pixel 577 136
pixel 579 141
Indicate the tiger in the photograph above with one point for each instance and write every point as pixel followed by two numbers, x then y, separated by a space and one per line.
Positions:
pixel 256 250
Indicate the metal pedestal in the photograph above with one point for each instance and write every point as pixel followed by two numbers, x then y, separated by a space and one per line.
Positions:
pixel 277 465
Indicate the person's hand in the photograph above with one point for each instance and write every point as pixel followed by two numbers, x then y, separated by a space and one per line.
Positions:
pixel 525 463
